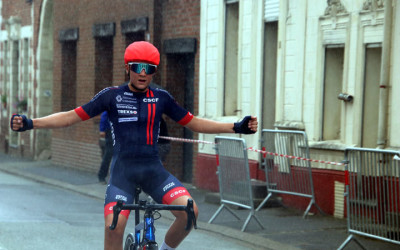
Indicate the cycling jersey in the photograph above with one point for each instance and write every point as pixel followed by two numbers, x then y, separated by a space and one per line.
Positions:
pixel 134 117
pixel 135 120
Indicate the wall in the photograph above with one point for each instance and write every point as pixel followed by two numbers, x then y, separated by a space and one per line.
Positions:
pixel 180 20
pixel 18 21
pixel 80 142
pixel 305 29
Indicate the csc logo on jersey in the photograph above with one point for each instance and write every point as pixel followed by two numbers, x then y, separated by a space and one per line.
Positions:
pixel 150 100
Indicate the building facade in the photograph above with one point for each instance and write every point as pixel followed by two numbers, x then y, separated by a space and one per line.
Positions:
pixel 25 73
pixel 77 50
pixel 324 67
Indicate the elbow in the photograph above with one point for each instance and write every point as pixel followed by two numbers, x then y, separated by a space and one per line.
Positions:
pixel 70 120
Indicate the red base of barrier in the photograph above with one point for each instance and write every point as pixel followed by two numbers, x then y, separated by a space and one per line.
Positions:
pixel 206 168
pixel 324 183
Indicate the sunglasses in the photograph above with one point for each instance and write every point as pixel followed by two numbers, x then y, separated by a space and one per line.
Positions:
pixel 138 67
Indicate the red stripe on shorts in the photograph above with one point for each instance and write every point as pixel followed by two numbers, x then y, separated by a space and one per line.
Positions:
pixel 108 209
pixel 173 194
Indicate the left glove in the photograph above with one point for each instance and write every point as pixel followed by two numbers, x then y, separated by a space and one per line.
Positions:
pixel 242 127
pixel 27 123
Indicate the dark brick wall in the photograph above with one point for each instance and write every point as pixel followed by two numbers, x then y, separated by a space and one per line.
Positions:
pixel 180 19
pixel 83 14
pixel 20 9
pixel 166 20
pixel 170 19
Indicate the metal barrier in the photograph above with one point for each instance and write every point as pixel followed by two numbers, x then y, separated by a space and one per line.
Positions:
pixel 372 193
pixel 287 175
pixel 234 177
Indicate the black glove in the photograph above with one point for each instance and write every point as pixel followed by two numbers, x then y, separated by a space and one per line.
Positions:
pixel 242 127
pixel 27 123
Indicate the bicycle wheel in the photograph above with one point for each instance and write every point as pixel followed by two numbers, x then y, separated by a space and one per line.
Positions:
pixel 130 243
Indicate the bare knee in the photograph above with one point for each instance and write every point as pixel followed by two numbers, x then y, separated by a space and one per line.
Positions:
pixel 113 239
pixel 116 234
pixel 182 217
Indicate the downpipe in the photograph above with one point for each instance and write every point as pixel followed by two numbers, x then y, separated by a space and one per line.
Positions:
pixel 385 75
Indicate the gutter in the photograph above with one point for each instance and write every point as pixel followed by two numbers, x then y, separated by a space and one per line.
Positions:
pixel 385 75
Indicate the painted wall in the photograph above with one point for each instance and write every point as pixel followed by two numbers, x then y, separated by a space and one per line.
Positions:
pixel 306 29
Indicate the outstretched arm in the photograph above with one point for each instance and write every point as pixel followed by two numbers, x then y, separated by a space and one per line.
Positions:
pixel 57 120
pixel 201 125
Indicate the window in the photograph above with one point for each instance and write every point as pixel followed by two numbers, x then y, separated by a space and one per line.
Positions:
pixel 269 84
pixel 68 75
pixel 25 62
pixel 371 96
pixel 103 63
pixel 6 76
pixel 14 86
pixel 231 58
pixel 334 59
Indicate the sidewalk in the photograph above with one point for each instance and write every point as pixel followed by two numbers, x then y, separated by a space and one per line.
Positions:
pixel 284 228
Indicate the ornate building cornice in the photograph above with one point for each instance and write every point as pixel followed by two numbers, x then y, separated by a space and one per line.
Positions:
pixel 334 8
pixel 373 5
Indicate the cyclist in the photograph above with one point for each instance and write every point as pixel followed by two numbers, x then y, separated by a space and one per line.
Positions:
pixel 134 112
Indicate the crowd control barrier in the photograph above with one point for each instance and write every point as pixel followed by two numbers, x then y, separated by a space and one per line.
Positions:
pixel 372 195
pixel 234 178
pixel 284 175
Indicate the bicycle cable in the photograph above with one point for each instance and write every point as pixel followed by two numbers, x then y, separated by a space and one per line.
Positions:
pixel 155 212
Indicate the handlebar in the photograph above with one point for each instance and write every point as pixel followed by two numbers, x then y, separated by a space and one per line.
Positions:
pixel 143 205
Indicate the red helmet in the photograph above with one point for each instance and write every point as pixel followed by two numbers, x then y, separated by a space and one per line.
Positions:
pixel 142 52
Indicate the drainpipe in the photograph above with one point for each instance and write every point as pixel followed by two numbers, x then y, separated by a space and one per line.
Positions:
pixel 384 78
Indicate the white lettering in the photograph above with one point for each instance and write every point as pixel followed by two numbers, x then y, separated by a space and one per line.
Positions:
pixel 177 192
pixel 168 186
pixel 127 93
pixel 126 106
pixel 129 112
pixel 128 119
pixel 121 197
pixel 150 99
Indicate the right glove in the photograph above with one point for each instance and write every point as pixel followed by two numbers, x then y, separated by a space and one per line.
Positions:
pixel 27 123
pixel 242 127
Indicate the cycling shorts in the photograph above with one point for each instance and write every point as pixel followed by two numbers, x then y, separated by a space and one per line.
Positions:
pixel 150 175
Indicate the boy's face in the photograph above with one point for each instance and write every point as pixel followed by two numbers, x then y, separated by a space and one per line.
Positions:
pixel 139 82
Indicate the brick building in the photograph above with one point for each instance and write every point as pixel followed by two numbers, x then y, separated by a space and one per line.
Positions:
pixel 85 42
pixel 90 39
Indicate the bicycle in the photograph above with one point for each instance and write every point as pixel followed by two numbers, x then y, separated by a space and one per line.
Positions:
pixel 146 240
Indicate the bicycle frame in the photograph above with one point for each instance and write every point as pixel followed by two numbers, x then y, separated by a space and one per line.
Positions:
pixel 148 236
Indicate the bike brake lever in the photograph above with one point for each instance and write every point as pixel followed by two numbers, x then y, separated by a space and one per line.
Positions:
pixel 191 216
pixel 116 210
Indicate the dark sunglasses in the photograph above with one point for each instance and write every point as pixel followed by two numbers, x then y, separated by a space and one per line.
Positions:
pixel 138 67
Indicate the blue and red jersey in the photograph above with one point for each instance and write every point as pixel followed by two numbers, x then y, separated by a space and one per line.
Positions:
pixel 134 117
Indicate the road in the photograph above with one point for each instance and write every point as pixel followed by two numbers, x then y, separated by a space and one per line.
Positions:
pixel 39 216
